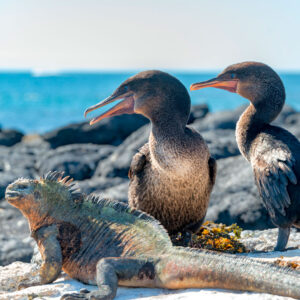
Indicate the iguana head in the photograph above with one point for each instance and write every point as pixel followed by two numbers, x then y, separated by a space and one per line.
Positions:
pixel 20 193
pixel 41 197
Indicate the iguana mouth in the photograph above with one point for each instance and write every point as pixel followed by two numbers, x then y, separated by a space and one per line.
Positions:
pixel 10 195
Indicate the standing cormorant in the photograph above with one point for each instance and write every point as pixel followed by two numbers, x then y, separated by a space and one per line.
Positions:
pixel 274 153
pixel 171 177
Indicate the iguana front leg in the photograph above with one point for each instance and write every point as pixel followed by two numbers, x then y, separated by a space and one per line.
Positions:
pixel 46 238
pixel 123 271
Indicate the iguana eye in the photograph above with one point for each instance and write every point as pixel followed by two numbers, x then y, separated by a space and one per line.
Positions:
pixel 22 186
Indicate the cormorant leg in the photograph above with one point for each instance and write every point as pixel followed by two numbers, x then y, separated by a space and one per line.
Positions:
pixel 194 227
pixel 110 271
pixel 282 239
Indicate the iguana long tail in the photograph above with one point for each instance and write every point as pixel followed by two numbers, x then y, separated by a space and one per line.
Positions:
pixel 186 268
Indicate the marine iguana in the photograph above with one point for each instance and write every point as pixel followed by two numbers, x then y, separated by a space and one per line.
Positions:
pixel 172 175
pixel 106 243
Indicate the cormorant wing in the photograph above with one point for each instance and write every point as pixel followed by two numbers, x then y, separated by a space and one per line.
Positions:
pixel 274 170
pixel 139 161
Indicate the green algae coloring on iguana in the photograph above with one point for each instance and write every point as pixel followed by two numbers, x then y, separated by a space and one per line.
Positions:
pixel 106 243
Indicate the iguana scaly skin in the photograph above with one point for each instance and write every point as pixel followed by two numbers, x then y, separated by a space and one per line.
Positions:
pixel 103 242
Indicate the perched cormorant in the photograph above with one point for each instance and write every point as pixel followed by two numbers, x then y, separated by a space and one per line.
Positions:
pixel 274 153
pixel 171 177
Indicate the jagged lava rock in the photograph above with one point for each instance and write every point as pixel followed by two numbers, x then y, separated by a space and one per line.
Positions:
pixel 10 137
pixel 19 161
pixel 117 164
pixel 113 188
pixel 235 197
pixel 198 111
pixel 109 131
pixel 77 160
pixel 221 143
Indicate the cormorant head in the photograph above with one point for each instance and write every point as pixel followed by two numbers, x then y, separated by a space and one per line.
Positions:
pixel 252 80
pixel 149 93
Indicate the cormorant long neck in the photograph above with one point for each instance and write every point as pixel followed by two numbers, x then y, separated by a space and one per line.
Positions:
pixel 259 113
pixel 166 138
pixel 167 126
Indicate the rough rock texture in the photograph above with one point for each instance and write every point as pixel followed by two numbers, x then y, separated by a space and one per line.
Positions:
pixel 103 169
pixel 109 131
pixel 219 120
pixel 198 112
pixel 15 240
pixel 235 197
pixel 117 164
pixel 20 160
pixel 10 137
pixel 221 143
pixel 12 274
pixel 78 160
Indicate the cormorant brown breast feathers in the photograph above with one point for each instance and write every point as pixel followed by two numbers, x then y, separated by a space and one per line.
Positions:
pixel 172 175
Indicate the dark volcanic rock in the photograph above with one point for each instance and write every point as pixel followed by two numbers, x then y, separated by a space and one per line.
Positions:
pixel 198 112
pixel 221 143
pixel 78 160
pixel 19 161
pixel 284 115
pixel 219 120
pixel 235 197
pixel 5 179
pixel 98 184
pixel 10 137
pixel 109 131
pixel 113 188
pixel 117 164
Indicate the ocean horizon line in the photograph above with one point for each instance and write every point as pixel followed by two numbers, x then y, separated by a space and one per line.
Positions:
pixel 49 72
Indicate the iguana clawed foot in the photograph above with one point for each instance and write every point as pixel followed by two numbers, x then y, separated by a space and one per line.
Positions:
pixel 84 294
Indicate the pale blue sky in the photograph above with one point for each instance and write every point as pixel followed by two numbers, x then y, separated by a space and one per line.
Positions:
pixel 52 35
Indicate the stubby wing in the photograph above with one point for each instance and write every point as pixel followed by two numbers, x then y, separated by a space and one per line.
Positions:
pixel 212 164
pixel 139 161
pixel 274 170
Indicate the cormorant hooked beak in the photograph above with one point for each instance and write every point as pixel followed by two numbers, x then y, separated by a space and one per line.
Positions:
pixel 224 84
pixel 124 107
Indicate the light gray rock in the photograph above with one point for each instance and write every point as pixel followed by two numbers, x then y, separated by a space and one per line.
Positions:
pixel 15 240
pixel 99 186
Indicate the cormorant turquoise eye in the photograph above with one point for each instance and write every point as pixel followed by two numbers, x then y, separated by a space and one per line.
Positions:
pixel 125 88
pixel 232 75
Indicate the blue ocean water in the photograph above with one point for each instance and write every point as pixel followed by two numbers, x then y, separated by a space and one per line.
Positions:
pixel 37 104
